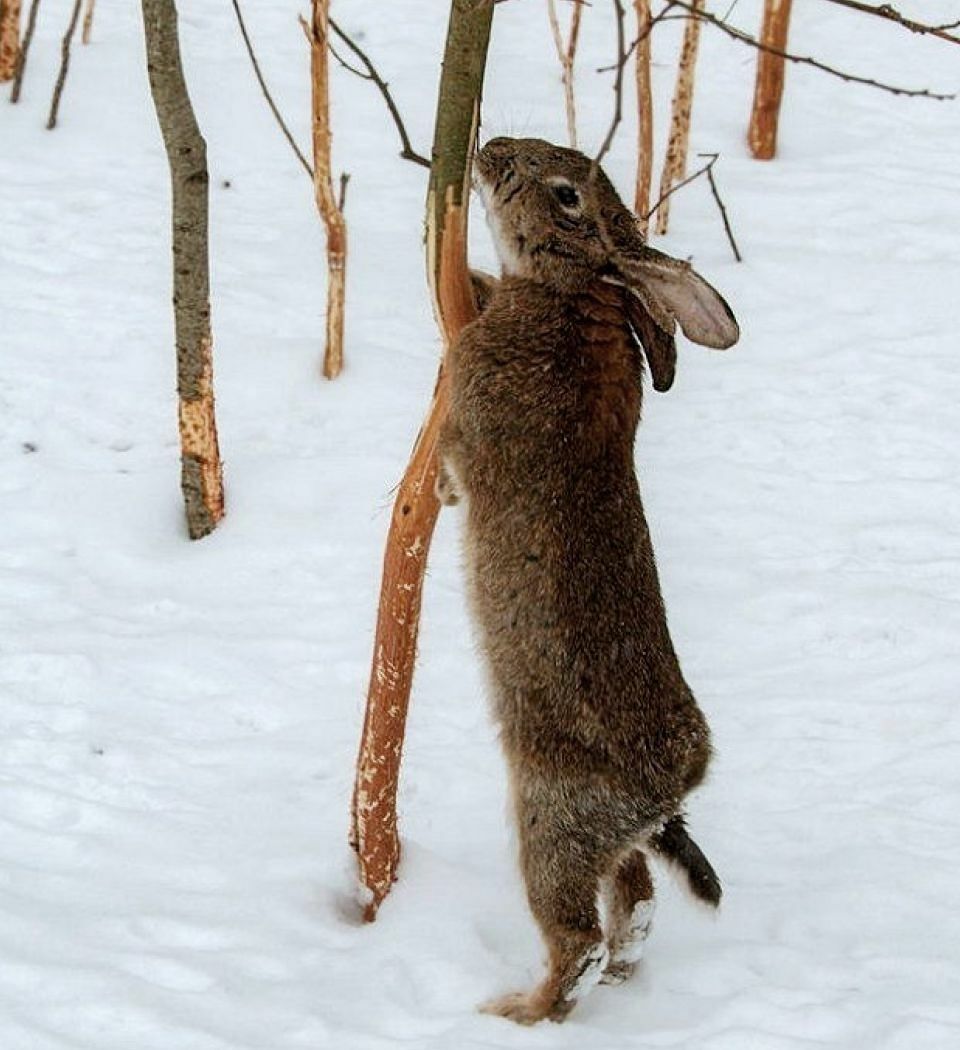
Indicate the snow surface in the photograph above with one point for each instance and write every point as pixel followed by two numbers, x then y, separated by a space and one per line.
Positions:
pixel 180 719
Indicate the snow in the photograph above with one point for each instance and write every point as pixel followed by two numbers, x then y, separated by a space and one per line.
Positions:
pixel 179 720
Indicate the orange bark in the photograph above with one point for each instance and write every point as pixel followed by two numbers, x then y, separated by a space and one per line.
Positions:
pixel 9 38
pixel 373 832
pixel 327 204
pixel 768 92
pixel 675 164
pixel 641 200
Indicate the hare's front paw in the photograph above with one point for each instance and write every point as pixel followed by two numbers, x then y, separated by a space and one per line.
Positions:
pixel 445 489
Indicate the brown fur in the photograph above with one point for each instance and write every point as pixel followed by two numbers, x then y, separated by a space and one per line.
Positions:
pixel 602 735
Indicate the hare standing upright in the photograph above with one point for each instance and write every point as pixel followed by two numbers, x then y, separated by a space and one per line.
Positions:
pixel 602 735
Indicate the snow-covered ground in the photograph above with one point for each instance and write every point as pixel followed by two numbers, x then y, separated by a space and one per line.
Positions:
pixel 179 720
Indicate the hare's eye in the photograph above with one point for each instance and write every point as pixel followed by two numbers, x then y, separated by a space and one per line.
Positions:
pixel 566 195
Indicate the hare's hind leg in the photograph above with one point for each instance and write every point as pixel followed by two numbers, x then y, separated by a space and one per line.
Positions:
pixel 562 881
pixel 628 890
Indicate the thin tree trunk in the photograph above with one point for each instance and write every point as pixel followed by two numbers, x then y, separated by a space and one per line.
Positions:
pixel 9 38
pixel 327 204
pixel 88 21
pixel 675 164
pixel 567 54
pixel 768 92
pixel 374 816
pixel 64 65
pixel 201 474
pixel 641 200
pixel 21 64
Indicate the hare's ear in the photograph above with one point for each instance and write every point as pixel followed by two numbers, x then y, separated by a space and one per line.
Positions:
pixel 658 345
pixel 483 285
pixel 673 291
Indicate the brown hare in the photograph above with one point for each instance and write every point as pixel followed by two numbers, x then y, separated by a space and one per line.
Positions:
pixel 602 735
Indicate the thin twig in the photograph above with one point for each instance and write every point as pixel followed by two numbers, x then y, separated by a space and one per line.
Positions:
pixel 676 186
pixel 64 66
pixel 890 14
pixel 407 152
pixel 723 211
pixel 304 163
pixel 566 53
pixel 24 49
pixel 803 60
pixel 707 170
pixel 622 56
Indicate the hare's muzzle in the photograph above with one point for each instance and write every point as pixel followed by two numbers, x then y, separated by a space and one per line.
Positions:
pixel 494 159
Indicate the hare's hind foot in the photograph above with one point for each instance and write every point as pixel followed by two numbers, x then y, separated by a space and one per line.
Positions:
pixel 630 908
pixel 558 994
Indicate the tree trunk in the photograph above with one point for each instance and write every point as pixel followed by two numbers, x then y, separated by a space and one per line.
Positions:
pixel 374 817
pixel 641 201
pixel 768 92
pixel 330 211
pixel 675 164
pixel 201 476
pixel 9 38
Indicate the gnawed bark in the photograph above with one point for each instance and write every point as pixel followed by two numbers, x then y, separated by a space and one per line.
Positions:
pixel 675 163
pixel 201 474
pixel 21 63
pixel 374 816
pixel 327 203
pixel 9 38
pixel 768 92
pixel 641 200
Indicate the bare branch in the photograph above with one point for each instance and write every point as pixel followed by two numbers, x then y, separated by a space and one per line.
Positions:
pixel 890 14
pixel 746 38
pixel 622 56
pixel 287 134
pixel 407 152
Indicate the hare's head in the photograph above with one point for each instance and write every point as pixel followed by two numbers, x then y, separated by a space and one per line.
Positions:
pixel 557 220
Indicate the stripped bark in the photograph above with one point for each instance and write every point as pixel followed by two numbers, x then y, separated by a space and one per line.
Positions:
pixel 675 163
pixel 88 21
pixel 567 54
pixel 64 65
pixel 333 220
pixel 374 816
pixel 21 64
pixel 9 38
pixel 641 200
pixel 201 476
pixel 768 92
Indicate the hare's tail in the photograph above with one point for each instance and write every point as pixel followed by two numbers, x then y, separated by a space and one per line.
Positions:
pixel 674 845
